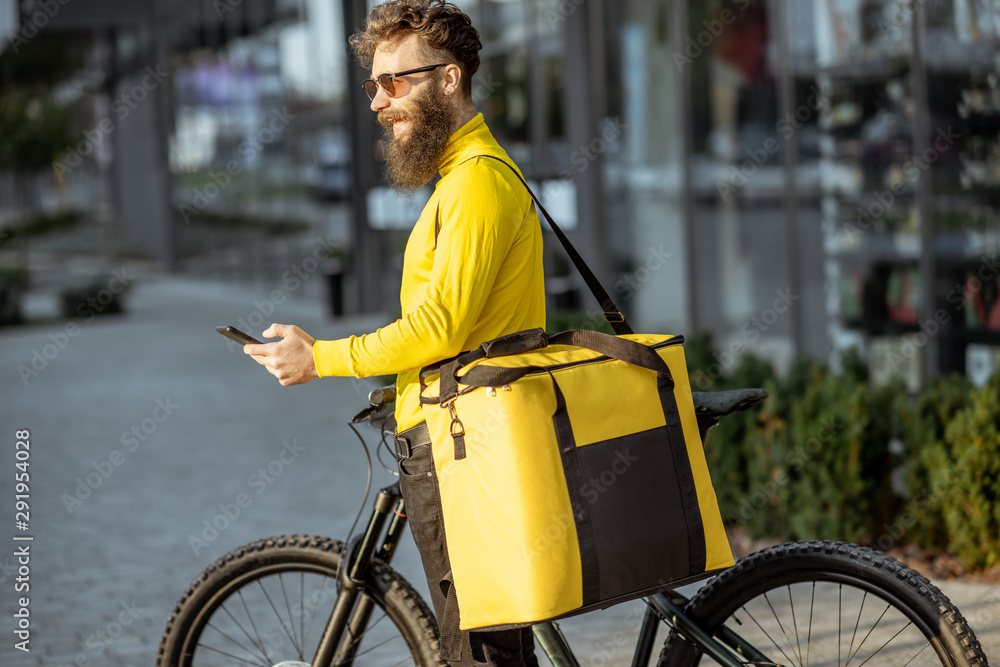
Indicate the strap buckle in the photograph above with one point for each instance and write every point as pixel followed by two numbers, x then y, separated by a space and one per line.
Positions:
pixel 403 448
pixel 614 317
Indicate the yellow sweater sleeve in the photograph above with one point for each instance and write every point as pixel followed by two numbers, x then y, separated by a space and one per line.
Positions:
pixel 479 220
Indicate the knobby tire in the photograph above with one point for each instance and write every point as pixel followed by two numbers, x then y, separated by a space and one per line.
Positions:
pixel 268 602
pixel 830 603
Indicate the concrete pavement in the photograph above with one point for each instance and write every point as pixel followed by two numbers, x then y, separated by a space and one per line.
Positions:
pixel 143 425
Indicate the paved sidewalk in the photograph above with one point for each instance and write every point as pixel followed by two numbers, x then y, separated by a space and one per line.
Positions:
pixel 142 425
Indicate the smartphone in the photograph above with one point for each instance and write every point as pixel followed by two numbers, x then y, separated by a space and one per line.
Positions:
pixel 235 334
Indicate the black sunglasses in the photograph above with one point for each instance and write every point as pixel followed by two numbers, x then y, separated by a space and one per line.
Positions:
pixel 388 81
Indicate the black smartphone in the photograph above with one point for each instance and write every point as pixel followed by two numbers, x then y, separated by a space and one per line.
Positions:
pixel 232 333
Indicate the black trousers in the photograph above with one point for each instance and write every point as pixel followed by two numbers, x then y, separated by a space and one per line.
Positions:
pixel 418 482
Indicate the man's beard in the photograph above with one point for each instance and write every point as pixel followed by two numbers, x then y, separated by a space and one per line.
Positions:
pixel 412 162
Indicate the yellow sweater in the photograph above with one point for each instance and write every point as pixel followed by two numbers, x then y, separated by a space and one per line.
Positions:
pixel 482 280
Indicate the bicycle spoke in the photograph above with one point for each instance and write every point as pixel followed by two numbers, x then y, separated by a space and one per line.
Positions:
pixel 812 606
pixel 277 615
pixel 291 616
pixel 766 634
pixel 781 626
pixel 234 641
pixel 252 639
pixel 312 614
pixel 380 644
pixel 302 588
pixel 795 624
pixel 253 625
pixel 840 616
pixel 915 655
pixel 354 641
pixel 850 651
pixel 234 657
pixel 887 643
pixel 870 631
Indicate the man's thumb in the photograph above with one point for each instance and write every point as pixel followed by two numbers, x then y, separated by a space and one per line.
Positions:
pixel 275 330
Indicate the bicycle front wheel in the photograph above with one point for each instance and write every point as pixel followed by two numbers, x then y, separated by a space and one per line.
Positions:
pixel 267 604
pixel 829 603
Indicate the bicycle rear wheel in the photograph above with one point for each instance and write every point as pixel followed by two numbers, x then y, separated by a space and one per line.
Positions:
pixel 829 603
pixel 267 604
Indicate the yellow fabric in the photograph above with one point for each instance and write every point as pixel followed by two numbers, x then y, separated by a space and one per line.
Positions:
pixel 513 544
pixel 483 280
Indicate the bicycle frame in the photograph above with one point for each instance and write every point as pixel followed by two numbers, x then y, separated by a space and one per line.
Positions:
pixel 353 608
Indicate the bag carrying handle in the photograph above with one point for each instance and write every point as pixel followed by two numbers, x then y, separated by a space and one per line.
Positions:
pixel 614 347
pixel 513 343
pixel 612 314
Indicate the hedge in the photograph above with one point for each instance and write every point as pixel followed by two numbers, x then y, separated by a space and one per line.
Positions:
pixel 830 455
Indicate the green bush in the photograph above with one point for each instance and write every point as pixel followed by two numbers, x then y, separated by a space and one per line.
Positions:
pixel 963 474
pixel 921 519
pixel 814 459
pixel 839 464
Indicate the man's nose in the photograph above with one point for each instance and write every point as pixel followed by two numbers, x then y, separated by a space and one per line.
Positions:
pixel 380 101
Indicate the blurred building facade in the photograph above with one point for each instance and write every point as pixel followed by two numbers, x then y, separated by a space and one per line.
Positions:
pixel 796 177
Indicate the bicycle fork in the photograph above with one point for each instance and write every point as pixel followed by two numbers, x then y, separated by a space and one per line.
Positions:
pixel 350 613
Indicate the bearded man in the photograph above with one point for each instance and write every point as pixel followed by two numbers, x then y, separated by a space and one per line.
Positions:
pixel 472 269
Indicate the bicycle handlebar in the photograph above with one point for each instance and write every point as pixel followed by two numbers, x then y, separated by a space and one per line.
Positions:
pixel 379 397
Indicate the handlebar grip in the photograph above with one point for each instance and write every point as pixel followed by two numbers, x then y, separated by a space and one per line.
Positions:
pixel 379 397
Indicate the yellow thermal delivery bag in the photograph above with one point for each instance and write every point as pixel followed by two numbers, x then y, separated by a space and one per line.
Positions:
pixel 571 472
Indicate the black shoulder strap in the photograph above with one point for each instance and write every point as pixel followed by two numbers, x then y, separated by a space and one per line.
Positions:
pixel 437 225
pixel 611 312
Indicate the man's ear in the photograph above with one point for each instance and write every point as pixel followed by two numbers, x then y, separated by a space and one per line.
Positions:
pixel 452 79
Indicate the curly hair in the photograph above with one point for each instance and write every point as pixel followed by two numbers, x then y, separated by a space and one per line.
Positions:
pixel 445 31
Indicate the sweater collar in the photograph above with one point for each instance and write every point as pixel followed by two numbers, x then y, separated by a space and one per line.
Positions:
pixel 473 138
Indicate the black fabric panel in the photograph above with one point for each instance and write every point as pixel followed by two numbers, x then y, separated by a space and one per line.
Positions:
pixel 631 488
pixel 585 530
pixel 685 478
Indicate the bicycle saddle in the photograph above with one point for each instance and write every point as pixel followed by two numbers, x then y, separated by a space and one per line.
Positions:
pixel 721 403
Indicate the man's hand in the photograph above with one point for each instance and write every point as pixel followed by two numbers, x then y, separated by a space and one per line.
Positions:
pixel 290 359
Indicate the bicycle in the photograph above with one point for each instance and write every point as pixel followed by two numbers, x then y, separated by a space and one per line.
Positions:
pixel 257 605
